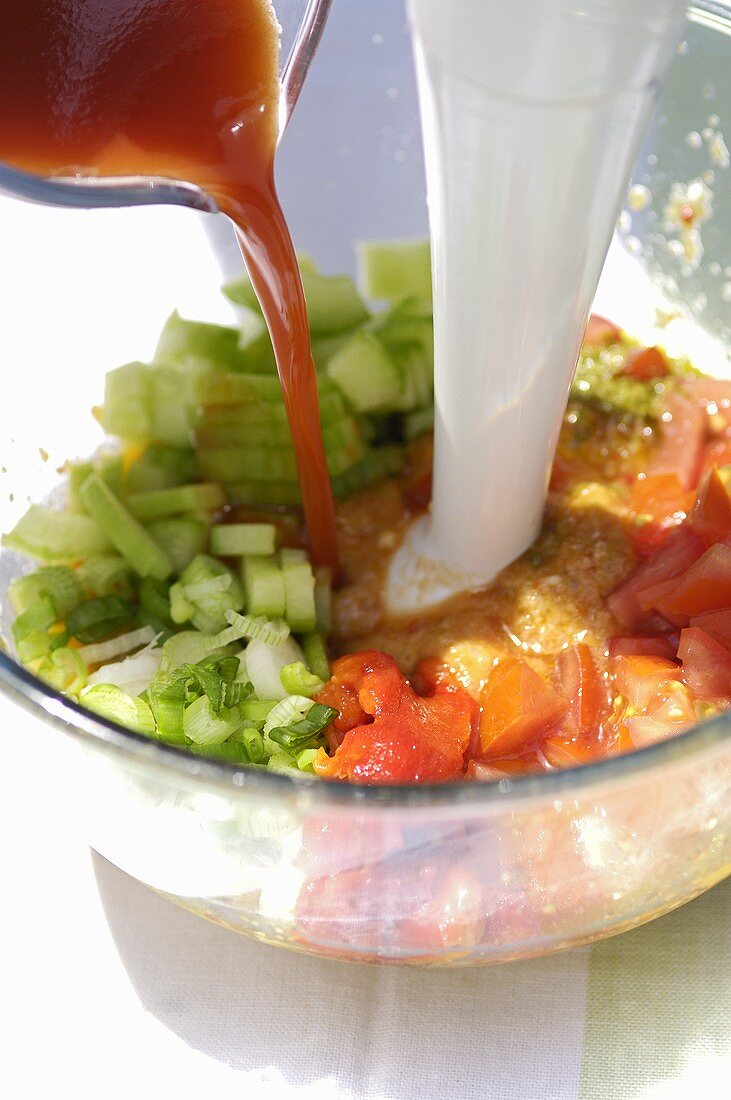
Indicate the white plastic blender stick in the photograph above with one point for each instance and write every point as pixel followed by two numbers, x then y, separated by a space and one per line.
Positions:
pixel 533 113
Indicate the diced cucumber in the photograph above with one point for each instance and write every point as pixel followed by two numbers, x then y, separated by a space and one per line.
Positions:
pixel 181 537
pixel 299 591
pixel 127 410
pixel 393 270
pixel 236 539
pixel 263 586
pixel 366 374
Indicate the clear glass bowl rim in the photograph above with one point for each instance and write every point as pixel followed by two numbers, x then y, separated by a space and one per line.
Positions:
pixel 69 717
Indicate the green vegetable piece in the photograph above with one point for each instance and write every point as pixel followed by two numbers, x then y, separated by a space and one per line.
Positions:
pixel 58 582
pixel 127 410
pixel 52 536
pixel 299 591
pixel 236 539
pixel 115 705
pixel 161 466
pixel 106 575
pixel 65 670
pixel 30 629
pixel 159 503
pixel 394 269
pixel 263 586
pixel 181 537
pixel 125 532
pixel 313 646
pixel 94 619
pixel 366 374
pixel 298 680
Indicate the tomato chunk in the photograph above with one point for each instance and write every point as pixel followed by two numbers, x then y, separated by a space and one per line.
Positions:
pixel 717 453
pixel 641 680
pixel 713 392
pixel 681 548
pixel 717 624
pixel 680 451
pixel 646 364
pixel 705 586
pixel 409 739
pixel 583 686
pixel 706 666
pixel 711 516
pixel 600 332
pixel 664 646
pixel 518 705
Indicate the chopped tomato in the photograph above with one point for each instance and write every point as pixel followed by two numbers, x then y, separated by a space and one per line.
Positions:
pixel 717 624
pixel 410 739
pixel 640 680
pixel 518 705
pixel 664 646
pixel 717 453
pixel 713 392
pixel 646 364
pixel 504 767
pixel 641 731
pixel 711 517
pixel 600 332
pixel 569 752
pixel 680 451
pixel 681 548
pixel 433 674
pixel 704 586
pixel 583 686
pixel 455 917
pixel 674 706
pixel 706 666
pixel 657 503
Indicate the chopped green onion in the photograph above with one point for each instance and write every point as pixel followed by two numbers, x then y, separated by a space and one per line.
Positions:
pixel 280 762
pixel 273 632
pixel 254 744
pixel 203 496
pixel 133 674
pixel 65 670
pixel 94 619
pixel 290 709
pixel 298 732
pixel 57 581
pixel 30 629
pixel 52 536
pixel 316 659
pixel 125 532
pixel 116 705
pixel 237 539
pixel 189 647
pixel 298 680
pixel 100 652
pixel 256 710
pixel 154 597
pixel 205 726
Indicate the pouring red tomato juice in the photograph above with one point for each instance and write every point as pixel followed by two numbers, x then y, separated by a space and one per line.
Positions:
pixel 189 92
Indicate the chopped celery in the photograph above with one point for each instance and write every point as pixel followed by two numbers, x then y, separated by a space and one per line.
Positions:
pixel 65 670
pixel 298 680
pixel 227 388
pixel 127 534
pixel 263 585
pixel 106 575
pixel 117 706
pixel 256 710
pixel 172 402
pixel 212 590
pixel 57 581
pixel 366 373
pixel 323 598
pixel 224 464
pixel 161 466
pixel 235 539
pixel 52 536
pixel 181 537
pixel 378 463
pixel 299 591
pixel 292 708
pixel 418 422
pixel 133 674
pixel 263 492
pixel 30 629
pixel 198 344
pixel 127 410
pixel 159 503
pixel 257 412
pixel 181 609
pixel 188 648
pixel 313 646
pixel 394 269
pixel 333 302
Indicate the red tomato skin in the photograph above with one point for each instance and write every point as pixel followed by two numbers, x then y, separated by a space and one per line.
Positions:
pixel 600 332
pixel 518 706
pixel 717 453
pixel 680 451
pixel 681 548
pixel 646 364
pixel 706 666
pixel 664 646
pixel 717 624
pixel 662 503
pixel 583 687
pixel 716 391
pixel 711 516
pixel 562 751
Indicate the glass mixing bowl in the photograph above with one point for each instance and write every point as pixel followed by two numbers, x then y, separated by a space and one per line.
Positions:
pixel 471 873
